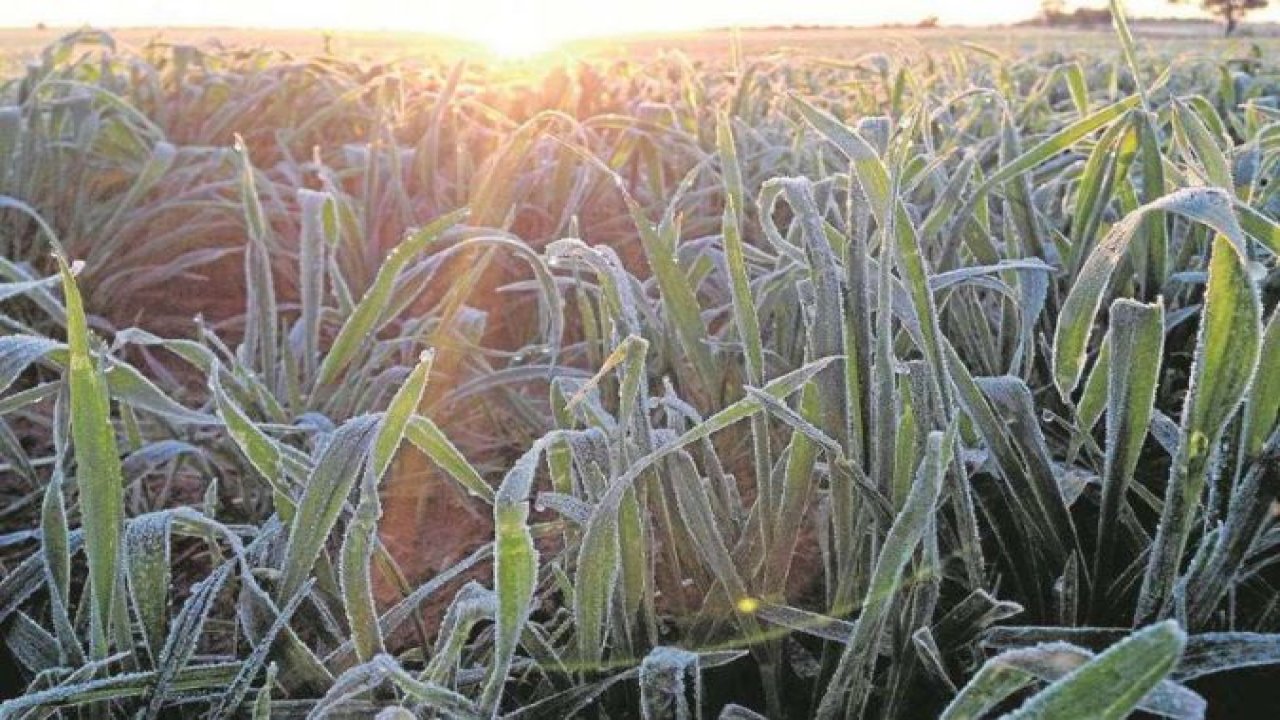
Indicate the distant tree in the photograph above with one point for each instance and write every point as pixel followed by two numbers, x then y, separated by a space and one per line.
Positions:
pixel 1053 12
pixel 1231 11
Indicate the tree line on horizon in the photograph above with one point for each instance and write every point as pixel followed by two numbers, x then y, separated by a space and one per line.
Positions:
pixel 1230 12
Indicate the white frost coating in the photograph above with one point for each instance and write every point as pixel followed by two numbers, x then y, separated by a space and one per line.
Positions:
pixel 665 676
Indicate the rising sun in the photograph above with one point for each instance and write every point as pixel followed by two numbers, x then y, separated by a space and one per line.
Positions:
pixel 519 33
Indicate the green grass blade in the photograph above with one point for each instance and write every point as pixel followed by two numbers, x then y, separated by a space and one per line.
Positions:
pixel 431 440
pixel 1127 44
pixel 55 547
pixel 180 645
pixel 851 682
pixel 400 410
pixel 98 473
pixel 1059 141
pixel 147 561
pixel 354 571
pixel 1137 345
pixel 359 328
pixel 335 473
pixel 1110 686
pixel 312 244
pixel 1226 356
pixel 1210 206
pixel 1263 409
pixel 262 703
pixel 995 682
pixel 1199 145
pixel 261 344
pixel 1260 227
pixel 515 570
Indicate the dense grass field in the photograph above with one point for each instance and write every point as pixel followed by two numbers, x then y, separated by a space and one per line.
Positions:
pixel 855 374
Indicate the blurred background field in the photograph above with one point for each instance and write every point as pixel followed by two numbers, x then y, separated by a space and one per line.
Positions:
pixel 21 44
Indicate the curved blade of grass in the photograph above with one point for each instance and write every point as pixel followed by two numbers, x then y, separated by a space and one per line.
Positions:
pixel 1153 264
pixel 23 581
pixel 354 571
pixel 373 674
pixel 733 711
pixel 1010 671
pixel 22 287
pixel 1198 144
pixel 129 386
pixel 32 646
pixel 18 352
pixel 1121 25
pixel 472 604
pixel 1210 206
pixel 995 682
pixel 596 577
pixel 1111 685
pixel 1223 651
pixel 1263 412
pixel 354 568
pixel 1260 227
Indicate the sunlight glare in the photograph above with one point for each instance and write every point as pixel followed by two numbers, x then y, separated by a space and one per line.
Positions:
pixel 518 34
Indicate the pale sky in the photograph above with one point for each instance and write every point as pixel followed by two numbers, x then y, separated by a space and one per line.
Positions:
pixel 557 19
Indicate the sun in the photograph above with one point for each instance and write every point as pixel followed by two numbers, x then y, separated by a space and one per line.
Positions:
pixel 516 44
pixel 519 32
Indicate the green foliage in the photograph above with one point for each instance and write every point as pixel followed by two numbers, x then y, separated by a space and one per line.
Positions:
pixel 787 386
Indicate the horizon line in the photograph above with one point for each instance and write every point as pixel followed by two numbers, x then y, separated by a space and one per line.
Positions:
pixel 917 24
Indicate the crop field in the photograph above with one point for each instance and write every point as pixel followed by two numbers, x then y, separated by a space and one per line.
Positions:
pixel 784 374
